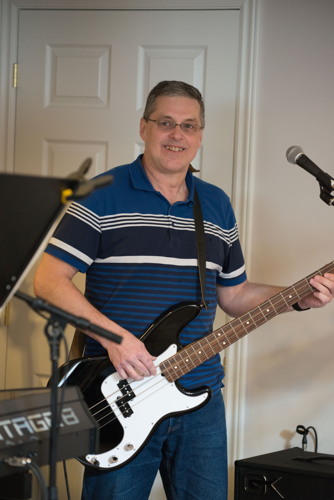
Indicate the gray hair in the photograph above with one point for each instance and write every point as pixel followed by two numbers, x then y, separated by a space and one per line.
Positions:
pixel 172 88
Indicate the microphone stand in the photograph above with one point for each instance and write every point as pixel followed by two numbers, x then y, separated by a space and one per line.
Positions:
pixel 326 194
pixel 326 184
pixel 54 330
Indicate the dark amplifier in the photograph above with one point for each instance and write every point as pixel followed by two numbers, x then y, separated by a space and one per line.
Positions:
pixel 291 474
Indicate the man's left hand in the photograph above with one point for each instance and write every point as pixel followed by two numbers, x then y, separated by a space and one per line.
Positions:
pixel 323 294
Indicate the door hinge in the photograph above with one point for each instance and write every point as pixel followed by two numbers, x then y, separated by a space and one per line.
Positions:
pixel 7 315
pixel 15 68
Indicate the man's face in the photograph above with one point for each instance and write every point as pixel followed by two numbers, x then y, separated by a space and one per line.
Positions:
pixel 171 151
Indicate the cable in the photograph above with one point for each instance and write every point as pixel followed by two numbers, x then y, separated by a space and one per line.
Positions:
pixel 66 481
pixel 40 479
pixel 315 437
pixel 304 431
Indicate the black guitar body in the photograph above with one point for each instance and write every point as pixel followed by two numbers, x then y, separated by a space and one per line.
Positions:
pixel 91 373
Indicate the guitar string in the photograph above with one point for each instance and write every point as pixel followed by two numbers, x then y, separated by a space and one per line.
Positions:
pixel 306 287
pixel 258 315
pixel 117 391
pixel 108 405
pixel 139 399
pixel 134 403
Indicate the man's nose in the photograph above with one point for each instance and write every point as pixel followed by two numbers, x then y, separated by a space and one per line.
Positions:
pixel 177 130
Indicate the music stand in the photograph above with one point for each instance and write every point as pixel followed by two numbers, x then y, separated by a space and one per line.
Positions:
pixel 30 207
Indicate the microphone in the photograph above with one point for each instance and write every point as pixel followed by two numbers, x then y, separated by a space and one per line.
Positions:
pixel 296 155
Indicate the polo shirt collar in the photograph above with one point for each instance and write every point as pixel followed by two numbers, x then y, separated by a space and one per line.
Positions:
pixel 140 179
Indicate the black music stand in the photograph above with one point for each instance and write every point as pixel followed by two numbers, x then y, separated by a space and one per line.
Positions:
pixel 30 207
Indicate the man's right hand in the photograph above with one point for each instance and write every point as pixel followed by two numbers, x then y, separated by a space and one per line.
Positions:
pixel 131 358
pixel 53 282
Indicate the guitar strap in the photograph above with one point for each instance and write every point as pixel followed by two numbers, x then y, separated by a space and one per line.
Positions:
pixel 77 346
pixel 200 245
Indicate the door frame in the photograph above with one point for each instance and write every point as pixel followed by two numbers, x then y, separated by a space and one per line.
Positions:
pixel 236 359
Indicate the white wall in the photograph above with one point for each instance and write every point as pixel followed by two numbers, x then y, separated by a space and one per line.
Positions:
pixel 290 365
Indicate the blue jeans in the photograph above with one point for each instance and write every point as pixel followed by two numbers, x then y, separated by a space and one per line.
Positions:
pixel 189 450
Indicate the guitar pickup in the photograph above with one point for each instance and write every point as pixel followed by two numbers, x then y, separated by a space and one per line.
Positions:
pixel 127 395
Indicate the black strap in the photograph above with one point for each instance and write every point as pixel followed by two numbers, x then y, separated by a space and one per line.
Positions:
pixel 200 245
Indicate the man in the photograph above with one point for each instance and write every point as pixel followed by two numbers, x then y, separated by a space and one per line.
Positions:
pixel 135 240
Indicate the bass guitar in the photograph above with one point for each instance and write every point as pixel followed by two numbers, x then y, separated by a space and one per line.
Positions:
pixel 128 411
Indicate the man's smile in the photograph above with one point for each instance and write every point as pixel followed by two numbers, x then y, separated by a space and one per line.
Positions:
pixel 174 148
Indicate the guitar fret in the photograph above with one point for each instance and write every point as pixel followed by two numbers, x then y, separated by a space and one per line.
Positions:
pixel 209 346
pixel 279 303
pixel 238 327
pixel 185 356
pixel 196 353
pixel 168 370
pixel 248 321
pixel 233 337
pixel 221 341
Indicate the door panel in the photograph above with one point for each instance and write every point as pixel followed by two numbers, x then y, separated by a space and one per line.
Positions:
pixel 84 77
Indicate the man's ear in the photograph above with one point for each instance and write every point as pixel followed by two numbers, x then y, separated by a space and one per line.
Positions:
pixel 142 128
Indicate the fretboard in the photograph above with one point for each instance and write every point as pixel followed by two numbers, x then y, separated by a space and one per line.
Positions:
pixel 196 353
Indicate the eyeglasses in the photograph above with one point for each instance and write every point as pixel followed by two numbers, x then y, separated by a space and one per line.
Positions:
pixel 168 125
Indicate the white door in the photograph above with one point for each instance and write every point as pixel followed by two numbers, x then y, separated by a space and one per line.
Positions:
pixel 83 77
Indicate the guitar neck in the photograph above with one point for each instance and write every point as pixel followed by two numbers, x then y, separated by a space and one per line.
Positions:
pixel 196 353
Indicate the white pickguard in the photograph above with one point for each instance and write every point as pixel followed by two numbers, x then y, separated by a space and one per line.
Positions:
pixel 155 398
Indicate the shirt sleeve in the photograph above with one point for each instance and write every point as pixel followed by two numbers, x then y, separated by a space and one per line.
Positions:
pixel 77 237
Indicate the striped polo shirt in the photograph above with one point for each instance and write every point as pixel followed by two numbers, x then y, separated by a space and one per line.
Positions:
pixel 139 255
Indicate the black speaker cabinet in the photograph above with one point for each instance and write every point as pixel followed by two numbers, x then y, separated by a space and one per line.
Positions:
pixel 291 474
